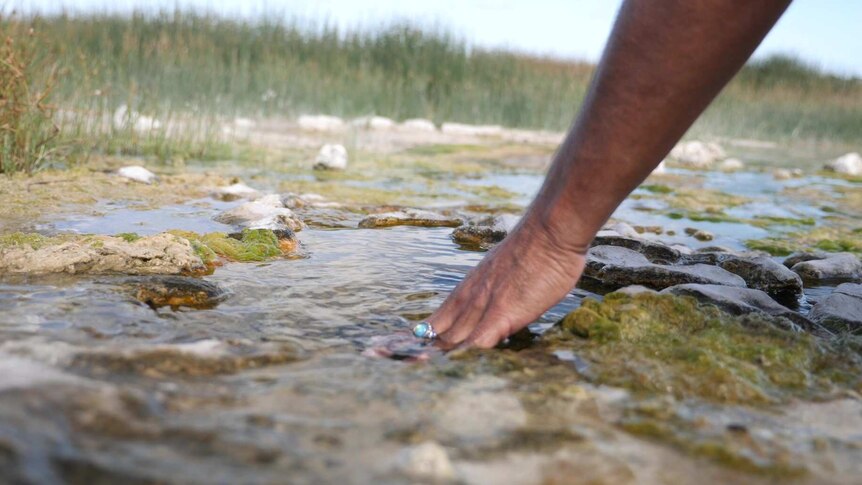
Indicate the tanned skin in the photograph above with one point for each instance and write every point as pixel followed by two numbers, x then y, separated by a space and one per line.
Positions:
pixel 664 63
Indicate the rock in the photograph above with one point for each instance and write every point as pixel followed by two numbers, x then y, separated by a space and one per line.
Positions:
pixel 320 123
pixel 799 257
pixel 837 266
pixel 267 212
pixel 176 292
pixel 137 173
pixel 471 130
pixel 159 254
pixel 426 461
pixel 419 124
pixel 655 251
pixel 373 123
pixel 617 266
pixel 786 174
pixel 487 231
pixel 697 154
pixel 236 191
pixel 410 217
pixel 762 273
pixel 660 169
pixel 623 229
pixel 699 234
pixel 739 301
pixel 841 311
pixel 635 290
pixel 331 157
pixel 731 165
pixel 847 164
pixel 478 410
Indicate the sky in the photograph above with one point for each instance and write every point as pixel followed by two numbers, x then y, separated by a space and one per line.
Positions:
pixel 826 33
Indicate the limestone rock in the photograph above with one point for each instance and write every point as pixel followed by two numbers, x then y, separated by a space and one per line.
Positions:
pixel 331 157
pixel 267 212
pixel 837 266
pixel 697 154
pixel 159 254
pixel 617 266
pixel 739 301
pixel 786 174
pixel 731 165
pixel 236 191
pixel 373 123
pixel 847 164
pixel 137 173
pixel 419 124
pixel 320 123
pixel 762 273
pixel 471 130
pixel 410 217
pixel 426 461
pixel 487 231
pixel 841 311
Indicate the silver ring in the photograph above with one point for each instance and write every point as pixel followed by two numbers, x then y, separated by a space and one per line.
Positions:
pixel 424 330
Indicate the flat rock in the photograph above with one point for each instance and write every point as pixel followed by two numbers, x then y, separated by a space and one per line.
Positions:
pixel 236 191
pixel 697 154
pixel 739 301
pixel 654 251
pixel 841 311
pixel 799 257
pixel 487 231
pixel 762 273
pixel 618 267
pixel 158 254
pixel 410 217
pixel 137 173
pixel 837 266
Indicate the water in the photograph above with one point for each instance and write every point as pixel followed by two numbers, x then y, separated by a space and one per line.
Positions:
pixel 274 385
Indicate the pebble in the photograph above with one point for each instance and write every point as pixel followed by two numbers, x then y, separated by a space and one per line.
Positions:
pixel 331 157
pixel 731 165
pixel 847 164
pixel 697 154
pixel 137 173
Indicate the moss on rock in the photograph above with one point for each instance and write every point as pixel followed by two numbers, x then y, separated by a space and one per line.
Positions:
pixel 671 344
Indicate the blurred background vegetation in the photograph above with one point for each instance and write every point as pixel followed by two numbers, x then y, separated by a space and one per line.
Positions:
pixel 74 72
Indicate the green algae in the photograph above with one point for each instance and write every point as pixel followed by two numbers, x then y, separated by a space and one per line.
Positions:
pixel 672 345
pixel 831 238
pixel 657 188
pixel 716 216
pixel 251 245
pixel 765 221
pixel 32 240
pixel 128 236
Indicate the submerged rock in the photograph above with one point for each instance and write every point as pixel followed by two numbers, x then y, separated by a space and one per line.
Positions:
pixel 741 301
pixel 267 212
pixel 159 254
pixel 836 266
pixel 487 231
pixel 331 157
pixel 847 164
pixel 137 173
pixel 176 292
pixel 410 217
pixel 841 311
pixel 762 273
pixel 617 266
pixel 697 154
pixel 248 245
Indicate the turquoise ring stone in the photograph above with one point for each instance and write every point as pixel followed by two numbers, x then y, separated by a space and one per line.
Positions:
pixel 424 330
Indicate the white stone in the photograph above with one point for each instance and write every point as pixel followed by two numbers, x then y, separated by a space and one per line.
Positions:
pixel 847 164
pixel 426 461
pixel 320 123
pixel 267 212
pixel 697 154
pixel 331 157
pixel 238 190
pixel 731 165
pixel 137 173
pixel 419 124
pixel 373 123
pixel 471 130
pixel 624 230
pixel 660 169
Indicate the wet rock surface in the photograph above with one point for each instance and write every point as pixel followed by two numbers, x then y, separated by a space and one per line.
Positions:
pixel 159 254
pixel 267 212
pixel 655 252
pixel 176 292
pixel 830 267
pixel 617 266
pixel 841 311
pixel 410 217
pixel 742 301
pixel 485 232
pixel 762 273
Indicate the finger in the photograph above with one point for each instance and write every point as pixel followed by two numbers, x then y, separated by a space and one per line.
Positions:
pixel 468 318
pixel 488 333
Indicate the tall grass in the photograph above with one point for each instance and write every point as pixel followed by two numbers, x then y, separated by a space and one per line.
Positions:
pixel 184 65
